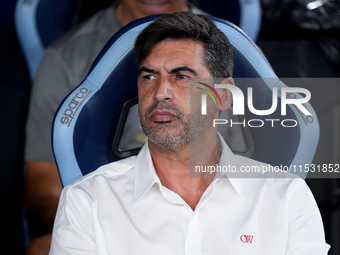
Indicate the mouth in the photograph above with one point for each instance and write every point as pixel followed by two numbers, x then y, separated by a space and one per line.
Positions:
pixel 162 116
pixel 157 6
pixel 154 3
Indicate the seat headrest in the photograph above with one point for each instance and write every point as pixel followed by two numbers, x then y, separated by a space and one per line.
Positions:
pixel 87 121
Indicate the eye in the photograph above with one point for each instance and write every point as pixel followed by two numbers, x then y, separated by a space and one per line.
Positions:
pixel 149 77
pixel 183 79
pixel 182 76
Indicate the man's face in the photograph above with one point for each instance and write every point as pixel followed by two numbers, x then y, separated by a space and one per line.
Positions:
pixel 164 93
pixel 150 7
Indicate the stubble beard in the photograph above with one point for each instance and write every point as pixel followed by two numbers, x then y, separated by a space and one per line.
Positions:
pixel 176 133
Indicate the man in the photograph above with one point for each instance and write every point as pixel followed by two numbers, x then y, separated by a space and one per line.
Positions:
pixel 63 67
pixel 149 204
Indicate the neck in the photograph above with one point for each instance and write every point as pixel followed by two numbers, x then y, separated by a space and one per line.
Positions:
pixel 124 14
pixel 174 166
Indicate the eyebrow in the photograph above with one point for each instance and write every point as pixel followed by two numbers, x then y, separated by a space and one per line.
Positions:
pixel 184 68
pixel 145 69
pixel 175 70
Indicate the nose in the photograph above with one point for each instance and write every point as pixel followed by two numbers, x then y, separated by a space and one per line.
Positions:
pixel 163 91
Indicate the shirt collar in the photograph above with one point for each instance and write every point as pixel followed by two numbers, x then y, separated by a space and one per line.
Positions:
pixel 146 176
pixel 228 159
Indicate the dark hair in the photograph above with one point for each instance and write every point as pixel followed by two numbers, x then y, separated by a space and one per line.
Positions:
pixel 218 53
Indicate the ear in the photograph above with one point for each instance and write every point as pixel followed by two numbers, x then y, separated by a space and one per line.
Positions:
pixel 225 94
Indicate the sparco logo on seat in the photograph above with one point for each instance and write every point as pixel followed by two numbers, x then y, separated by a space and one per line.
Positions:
pixel 74 105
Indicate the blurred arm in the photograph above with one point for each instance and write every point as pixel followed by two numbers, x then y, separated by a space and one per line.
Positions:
pixel 42 192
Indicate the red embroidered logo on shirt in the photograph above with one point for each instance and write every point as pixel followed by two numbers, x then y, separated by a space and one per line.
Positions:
pixel 246 238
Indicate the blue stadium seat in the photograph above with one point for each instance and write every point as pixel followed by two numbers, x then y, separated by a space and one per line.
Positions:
pixel 38 23
pixel 89 123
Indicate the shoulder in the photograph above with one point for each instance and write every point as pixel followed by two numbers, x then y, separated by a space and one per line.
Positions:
pixel 109 173
pixel 260 175
pixel 88 37
pixel 72 54
pixel 101 21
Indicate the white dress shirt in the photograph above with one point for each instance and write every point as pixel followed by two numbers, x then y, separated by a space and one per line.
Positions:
pixel 122 208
